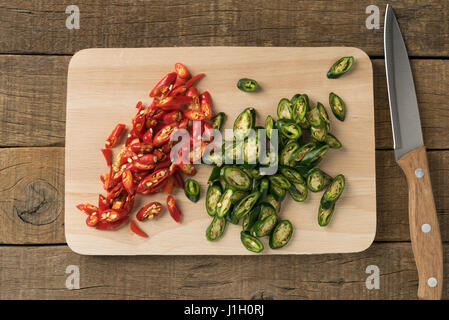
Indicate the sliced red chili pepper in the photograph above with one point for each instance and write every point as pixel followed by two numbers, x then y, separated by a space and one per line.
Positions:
pixel 139 167
pixel 175 213
pixel 181 70
pixel 87 208
pixel 168 188
pixel 164 134
pixel 148 136
pixel 152 181
pixel 129 202
pixel 92 220
pixel 161 156
pixel 173 103
pixel 184 124
pixel 127 155
pixel 139 120
pixel 179 83
pixel 111 225
pixel 178 90
pixel 188 169
pixel 179 179
pixel 164 85
pixel 142 147
pixel 137 230
pixel 107 153
pixel 194 79
pixel 148 158
pixel 206 105
pixel 174 116
pixel 115 134
pixel 195 103
pixel 207 131
pixel 128 182
pixel 103 204
pixel 119 202
pixel 115 192
pixel 111 215
pixel 166 147
pixel 194 115
pixel 149 211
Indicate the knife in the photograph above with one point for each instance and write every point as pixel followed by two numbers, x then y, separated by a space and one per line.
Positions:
pixel 410 154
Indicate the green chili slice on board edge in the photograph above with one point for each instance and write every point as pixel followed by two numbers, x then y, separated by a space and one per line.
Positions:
pixel 251 243
pixel 332 141
pixel 325 215
pixel 247 85
pixel 338 106
pixel 333 191
pixel 192 190
pixel 246 204
pixel 315 180
pixel 216 228
pixel 262 228
pixel 281 234
pixel 340 67
pixel 224 205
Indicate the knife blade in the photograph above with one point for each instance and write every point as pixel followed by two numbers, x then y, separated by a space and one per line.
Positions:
pixel 410 153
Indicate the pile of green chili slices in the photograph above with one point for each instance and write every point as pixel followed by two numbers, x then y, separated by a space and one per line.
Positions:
pixel 242 192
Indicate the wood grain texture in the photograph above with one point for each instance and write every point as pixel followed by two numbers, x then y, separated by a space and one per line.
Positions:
pixel 29 26
pixel 32 195
pixel 107 83
pixel 427 247
pixel 32 101
pixel 42 275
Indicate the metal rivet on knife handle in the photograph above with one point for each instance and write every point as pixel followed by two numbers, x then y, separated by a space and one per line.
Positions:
pixel 426 228
pixel 432 282
pixel 419 173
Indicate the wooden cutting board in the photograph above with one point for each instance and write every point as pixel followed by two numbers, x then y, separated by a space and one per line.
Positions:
pixel 104 86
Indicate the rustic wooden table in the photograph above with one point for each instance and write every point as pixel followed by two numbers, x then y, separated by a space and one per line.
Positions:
pixel 35 48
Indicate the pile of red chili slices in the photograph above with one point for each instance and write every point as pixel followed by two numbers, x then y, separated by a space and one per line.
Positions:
pixel 144 166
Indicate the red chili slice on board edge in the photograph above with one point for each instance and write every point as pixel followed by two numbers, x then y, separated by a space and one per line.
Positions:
pixel 92 220
pixel 107 153
pixel 149 211
pixel 192 81
pixel 175 213
pixel 181 70
pixel 87 208
pixel 206 106
pixel 112 225
pixel 115 134
pixel 135 228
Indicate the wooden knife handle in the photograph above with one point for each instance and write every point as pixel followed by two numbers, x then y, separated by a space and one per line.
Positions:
pixel 424 229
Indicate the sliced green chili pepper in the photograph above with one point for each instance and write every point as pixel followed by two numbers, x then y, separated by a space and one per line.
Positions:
pixel 213 196
pixel 213 158
pixel 224 205
pixel 249 220
pixel 338 106
pixel 218 120
pixel 251 243
pixel 280 181
pixel 262 228
pixel 246 204
pixel 340 67
pixel 302 170
pixel 315 180
pixel 281 234
pixel 313 157
pixel 192 190
pixel 214 174
pixel 332 141
pixel 244 123
pixel 300 103
pixel 287 153
pixel 298 192
pixel 237 196
pixel 319 133
pixel 270 124
pixel 298 155
pixel 304 123
pixel 231 218
pixel 233 151
pixel 247 85
pixel 250 149
pixel 255 173
pixel 278 193
pixel 285 109
pixel 236 178
pixel 216 228
pixel 273 202
pixel 263 188
pixel 325 215
pixel 313 116
pixel 266 210
pixel 289 129
pixel 322 112
pixel 333 191
pixel 291 174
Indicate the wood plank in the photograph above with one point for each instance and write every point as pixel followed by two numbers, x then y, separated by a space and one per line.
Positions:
pixel 107 83
pixel 32 100
pixel 33 91
pixel 47 164
pixel 39 26
pixel 337 276
pixel 32 195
